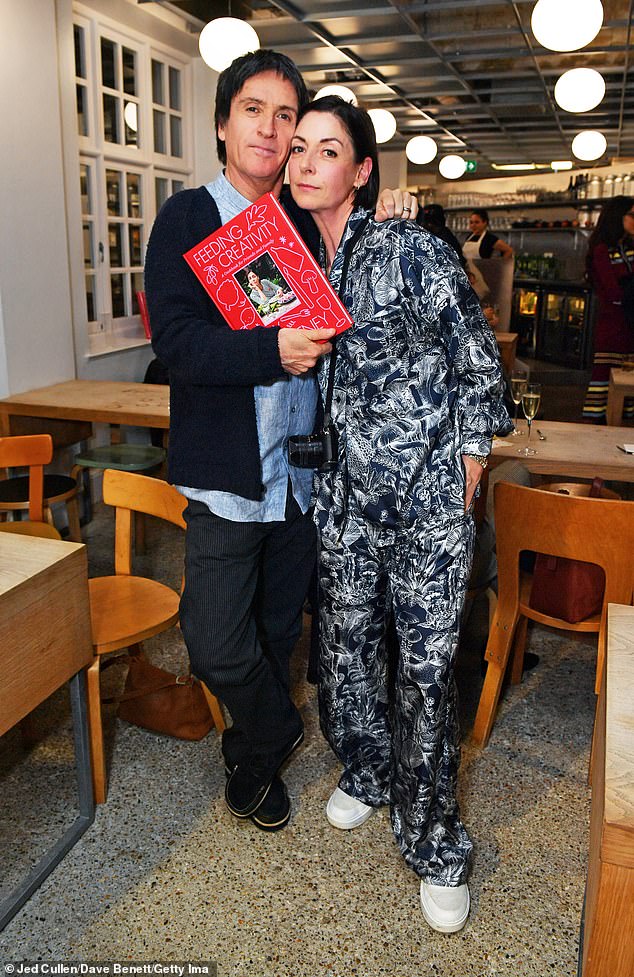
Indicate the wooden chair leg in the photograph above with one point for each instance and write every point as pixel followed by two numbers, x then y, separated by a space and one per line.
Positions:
pixel 497 656
pixel 519 645
pixel 95 726
pixel 215 709
pixel 74 529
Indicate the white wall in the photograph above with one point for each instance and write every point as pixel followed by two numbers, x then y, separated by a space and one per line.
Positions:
pixel 36 345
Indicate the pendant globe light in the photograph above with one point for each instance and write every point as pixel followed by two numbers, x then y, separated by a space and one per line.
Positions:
pixel 566 25
pixel 580 90
pixel 589 144
pixel 345 93
pixel 421 150
pixel 224 39
pixel 384 124
pixel 452 167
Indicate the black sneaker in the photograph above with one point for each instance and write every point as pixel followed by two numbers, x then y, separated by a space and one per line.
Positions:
pixel 248 784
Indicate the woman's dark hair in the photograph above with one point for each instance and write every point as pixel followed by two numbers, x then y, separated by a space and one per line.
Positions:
pixel 481 213
pixel 359 127
pixel 231 81
pixel 609 229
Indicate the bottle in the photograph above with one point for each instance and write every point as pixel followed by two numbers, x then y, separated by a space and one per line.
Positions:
pixel 582 190
pixel 608 186
pixel 595 186
pixel 618 186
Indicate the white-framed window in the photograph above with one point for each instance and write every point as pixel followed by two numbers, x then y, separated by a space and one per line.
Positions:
pixel 134 132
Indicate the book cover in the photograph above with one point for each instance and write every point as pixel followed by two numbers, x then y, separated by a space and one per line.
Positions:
pixel 259 272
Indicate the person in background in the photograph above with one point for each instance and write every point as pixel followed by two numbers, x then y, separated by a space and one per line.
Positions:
pixel 417 399
pixel 432 218
pixel 235 398
pixel 609 265
pixel 482 242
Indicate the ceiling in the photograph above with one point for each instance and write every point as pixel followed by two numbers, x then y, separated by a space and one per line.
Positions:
pixel 469 73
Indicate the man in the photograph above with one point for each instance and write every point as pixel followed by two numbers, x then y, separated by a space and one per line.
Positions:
pixel 235 398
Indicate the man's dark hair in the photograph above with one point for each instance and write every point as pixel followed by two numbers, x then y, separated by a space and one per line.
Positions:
pixel 233 78
pixel 359 127
pixel 433 214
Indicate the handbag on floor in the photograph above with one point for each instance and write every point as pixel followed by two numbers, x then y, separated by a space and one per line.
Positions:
pixel 571 590
pixel 164 703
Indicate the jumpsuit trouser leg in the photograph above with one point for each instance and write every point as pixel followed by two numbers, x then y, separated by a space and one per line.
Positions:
pixel 411 754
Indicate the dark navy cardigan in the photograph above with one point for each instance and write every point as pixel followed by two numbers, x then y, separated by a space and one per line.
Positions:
pixel 213 441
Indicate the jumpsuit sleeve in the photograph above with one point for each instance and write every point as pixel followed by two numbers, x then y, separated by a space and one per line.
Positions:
pixel 472 351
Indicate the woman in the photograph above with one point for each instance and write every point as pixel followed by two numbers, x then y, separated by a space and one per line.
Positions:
pixel 263 290
pixel 609 264
pixel 417 398
pixel 482 242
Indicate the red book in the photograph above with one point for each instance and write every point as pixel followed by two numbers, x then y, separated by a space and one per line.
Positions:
pixel 259 272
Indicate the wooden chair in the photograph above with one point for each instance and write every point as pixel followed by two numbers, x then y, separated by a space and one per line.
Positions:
pixel 126 609
pixel 599 531
pixel 33 452
pixel 15 491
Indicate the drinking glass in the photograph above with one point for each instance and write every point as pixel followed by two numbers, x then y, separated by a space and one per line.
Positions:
pixel 519 381
pixel 530 405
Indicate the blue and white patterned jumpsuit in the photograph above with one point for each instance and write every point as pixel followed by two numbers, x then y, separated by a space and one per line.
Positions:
pixel 418 383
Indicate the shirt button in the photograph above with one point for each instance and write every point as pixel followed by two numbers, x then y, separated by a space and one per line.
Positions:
pixel 293 410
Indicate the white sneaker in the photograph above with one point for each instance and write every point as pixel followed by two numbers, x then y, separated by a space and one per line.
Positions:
pixel 346 812
pixel 445 908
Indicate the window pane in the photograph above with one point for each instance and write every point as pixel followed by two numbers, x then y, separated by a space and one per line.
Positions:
pixel 159 132
pixel 89 257
pixel 137 286
pixel 110 118
pixel 115 245
pixel 108 67
pixel 118 296
pixel 135 244
pixel 129 71
pixel 177 186
pixel 90 298
pixel 82 115
pixel 158 95
pixel 80 56
pixel 175 88
pixel 160 191
pixel 131 135
pixel 175 136
pixel 113 193
pixel 84 186
pixel 134 195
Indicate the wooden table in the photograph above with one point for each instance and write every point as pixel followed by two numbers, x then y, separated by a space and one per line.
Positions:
pixel 45 642
pixel 96 401
pixel 608 930
pixel 573 450
pixel 507 345
pixel 621 386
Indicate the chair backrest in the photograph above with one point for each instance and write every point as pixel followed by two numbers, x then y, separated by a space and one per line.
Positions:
pixel 145 315
pixel 31 451
pixel 599 531
pixel 130 492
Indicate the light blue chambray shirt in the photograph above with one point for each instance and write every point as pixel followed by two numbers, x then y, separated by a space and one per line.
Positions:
pixel 283 408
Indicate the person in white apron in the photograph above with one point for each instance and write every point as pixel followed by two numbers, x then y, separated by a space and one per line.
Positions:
pixel 481 243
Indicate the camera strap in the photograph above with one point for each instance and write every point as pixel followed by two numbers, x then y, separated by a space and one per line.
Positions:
pixel 347 255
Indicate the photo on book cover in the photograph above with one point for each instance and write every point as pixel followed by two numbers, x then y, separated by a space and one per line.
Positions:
pixel 267 289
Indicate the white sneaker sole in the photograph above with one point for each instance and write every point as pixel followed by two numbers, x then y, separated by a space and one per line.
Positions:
pixel 350 822
pixel 438 925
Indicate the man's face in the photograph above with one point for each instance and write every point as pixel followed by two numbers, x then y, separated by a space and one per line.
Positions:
pixel 258 133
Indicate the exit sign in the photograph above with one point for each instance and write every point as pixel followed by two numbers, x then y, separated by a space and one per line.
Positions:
pixel 471 166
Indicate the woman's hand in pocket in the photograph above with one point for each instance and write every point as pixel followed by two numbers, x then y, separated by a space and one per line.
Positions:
pixel 473 473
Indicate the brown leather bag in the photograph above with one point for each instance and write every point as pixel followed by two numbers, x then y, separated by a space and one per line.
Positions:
pixel 163 702
pixel 571 590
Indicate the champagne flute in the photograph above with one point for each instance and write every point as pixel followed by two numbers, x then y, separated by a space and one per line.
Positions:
pixel 530 405
pixel 519 380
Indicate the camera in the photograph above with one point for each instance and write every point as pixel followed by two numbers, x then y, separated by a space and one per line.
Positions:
pixel 314 450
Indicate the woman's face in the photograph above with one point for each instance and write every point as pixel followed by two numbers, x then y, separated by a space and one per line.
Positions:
pixel 322 169
pixel 628 222
pixel 476 224
pixel 253 279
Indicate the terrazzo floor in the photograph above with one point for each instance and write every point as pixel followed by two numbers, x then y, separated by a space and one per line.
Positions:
pixel 165 873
